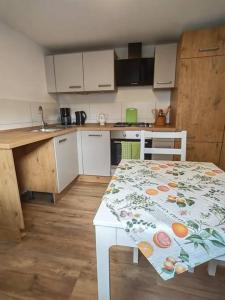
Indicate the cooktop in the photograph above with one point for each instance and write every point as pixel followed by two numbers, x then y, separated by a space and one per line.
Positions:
pixel 140 124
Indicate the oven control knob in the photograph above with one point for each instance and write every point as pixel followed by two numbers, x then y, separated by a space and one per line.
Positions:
pixel 124 134
pixel 137 135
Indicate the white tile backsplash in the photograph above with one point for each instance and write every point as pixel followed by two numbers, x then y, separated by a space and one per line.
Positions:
pixel 13 112
pixel 114 105
pixel 112 111
pixel 16 113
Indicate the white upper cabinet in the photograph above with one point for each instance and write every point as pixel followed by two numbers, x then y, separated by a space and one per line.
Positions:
pixel 99 70
pixel 165 66
pixel 50 74
pixel 69 72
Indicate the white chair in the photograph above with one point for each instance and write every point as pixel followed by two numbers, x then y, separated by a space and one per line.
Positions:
pixel 181 135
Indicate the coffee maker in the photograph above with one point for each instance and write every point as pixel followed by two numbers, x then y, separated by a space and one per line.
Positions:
pixel 65 116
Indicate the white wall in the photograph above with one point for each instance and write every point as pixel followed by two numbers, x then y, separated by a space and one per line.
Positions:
pixel 114 105
pixel 22 81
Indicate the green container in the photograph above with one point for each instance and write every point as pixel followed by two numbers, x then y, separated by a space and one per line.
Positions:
pixel 131 115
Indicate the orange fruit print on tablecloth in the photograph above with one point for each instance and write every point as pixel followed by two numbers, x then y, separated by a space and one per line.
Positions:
pixel 151 192
pixel 180 230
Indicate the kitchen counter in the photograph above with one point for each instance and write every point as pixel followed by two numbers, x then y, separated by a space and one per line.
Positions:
pixel 10 139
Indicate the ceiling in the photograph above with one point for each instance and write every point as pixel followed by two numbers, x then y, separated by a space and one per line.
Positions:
pixel 79 24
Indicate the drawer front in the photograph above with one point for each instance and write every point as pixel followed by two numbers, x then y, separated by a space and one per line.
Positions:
pixel 202 43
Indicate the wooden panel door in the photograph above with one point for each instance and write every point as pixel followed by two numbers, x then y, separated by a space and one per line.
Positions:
pixel 99 70
pixel 203 151
pixel 205 42
pixel 165 65
pixel 69 72
pixel 201 98
pixel 222 157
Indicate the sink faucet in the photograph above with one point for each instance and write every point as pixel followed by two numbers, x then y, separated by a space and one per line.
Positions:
pixel 44 124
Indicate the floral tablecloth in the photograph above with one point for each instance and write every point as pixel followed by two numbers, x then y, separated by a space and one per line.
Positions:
pixel 174 211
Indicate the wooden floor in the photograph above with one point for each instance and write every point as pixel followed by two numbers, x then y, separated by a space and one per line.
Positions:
pixel 56 259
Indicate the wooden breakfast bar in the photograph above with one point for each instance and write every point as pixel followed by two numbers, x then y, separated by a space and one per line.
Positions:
pixel 13 146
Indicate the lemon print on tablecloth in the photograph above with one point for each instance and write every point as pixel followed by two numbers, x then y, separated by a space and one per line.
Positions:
pixel 180 230
pixel 145 248
pixel 172 184
pixel 210 173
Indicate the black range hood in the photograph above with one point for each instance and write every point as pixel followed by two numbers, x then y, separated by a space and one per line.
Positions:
pixel 134 71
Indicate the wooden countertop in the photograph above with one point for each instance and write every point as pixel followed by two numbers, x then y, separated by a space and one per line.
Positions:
pixel 10 139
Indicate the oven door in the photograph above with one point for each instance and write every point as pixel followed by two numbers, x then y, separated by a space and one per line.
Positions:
pixel 116 149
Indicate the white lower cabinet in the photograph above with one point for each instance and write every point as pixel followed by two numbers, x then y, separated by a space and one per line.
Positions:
pixel 66 159
pixel 96 152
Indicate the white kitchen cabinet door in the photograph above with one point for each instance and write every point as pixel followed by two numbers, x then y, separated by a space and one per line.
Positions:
pixel 99 70
pixel 66 159
pixel 69 72
pixel 50 74
pixel 96 153
pixel 165 66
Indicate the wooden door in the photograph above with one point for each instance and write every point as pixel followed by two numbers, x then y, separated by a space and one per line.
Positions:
pixel 165 65
pixel 201 98
pixel 204 151
pixel 222 157
pixel 205 42
pixel 99 70
pixel 69 72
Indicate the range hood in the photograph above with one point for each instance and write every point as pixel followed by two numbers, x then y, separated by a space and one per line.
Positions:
pixel 134 71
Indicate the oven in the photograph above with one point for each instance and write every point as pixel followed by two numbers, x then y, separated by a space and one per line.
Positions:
pixel 129 136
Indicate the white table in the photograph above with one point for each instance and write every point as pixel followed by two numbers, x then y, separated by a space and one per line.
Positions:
pixel 109 232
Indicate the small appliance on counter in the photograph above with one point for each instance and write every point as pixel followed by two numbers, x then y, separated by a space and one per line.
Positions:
pixel 65 116
pixel 80 117
pixel 101 118
pixel 131 115
pixel 160 116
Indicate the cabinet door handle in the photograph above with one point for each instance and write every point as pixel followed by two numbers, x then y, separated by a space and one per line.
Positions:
pixel 164 82
pixel 104 85
pixel 62 140
pixel 95 135
pixel 74 86
pixel 208 49
pixel 134 83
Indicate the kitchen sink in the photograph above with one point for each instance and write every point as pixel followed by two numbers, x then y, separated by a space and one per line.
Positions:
pixel 46 129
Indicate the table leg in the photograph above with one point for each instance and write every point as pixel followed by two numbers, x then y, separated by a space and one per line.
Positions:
pixel 212 264
pixel 105 238
pixel 135 255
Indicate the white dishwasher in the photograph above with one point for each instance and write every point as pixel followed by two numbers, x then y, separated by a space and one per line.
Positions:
pixel 66 159
pixel 96 152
